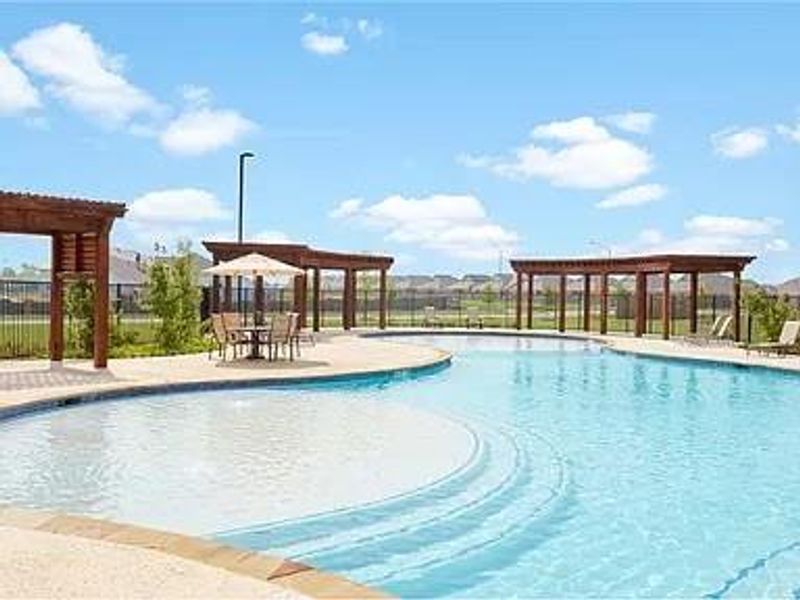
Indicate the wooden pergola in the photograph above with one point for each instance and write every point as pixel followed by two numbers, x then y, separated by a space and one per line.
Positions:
pixel 79 232
pixel 663 265
pixel 308 259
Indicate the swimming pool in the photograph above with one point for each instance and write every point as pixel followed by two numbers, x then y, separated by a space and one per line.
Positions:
pixel 593 473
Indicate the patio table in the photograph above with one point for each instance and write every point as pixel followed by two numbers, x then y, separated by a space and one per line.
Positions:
pixel 254 333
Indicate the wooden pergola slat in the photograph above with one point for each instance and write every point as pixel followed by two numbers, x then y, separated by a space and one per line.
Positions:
pixel 79 230
pixel 307 258
pixel 639 266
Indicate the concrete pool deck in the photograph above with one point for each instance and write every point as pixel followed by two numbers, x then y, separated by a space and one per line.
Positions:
pixel 28 385
pixel 28 382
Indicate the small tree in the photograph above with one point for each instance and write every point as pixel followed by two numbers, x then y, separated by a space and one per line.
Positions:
pixel 79 308
pixel 174 299
pixel 770 312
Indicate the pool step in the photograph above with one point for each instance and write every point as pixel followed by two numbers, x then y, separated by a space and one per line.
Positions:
pixel 405 532
pixel 461 549
pixel 458 530
pixel 315 528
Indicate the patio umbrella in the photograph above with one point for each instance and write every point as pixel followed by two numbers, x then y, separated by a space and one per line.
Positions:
pixel 255 265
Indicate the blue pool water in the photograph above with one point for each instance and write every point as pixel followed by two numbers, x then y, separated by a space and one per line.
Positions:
pixel 595 474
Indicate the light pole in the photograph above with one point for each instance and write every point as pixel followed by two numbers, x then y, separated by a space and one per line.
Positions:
pixel 242 157
pixel 240 233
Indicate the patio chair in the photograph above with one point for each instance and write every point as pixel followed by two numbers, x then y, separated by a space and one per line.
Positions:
pixel 719 331
pixel 430 318
pixel 301 335
pixel 474 318
pixel 282 334
pixel 789 339
pixel 233 322
pixel 219 336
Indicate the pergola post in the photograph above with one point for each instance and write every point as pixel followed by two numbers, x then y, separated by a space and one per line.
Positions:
pixel 299 302
pixel 227 302
pixel 353 298
pixel 641 304
pixel 383 300
pixel 604 303
pixel 737 306
pixel 530 300
pixel 587 302
pixel 562 303
pixel 693 288
pixel 215 292
pixel 101 284
pixel 315 299
pixel 666 306
pixel 56 301
pixel 518 321
pixel 346 297
pixel 259 307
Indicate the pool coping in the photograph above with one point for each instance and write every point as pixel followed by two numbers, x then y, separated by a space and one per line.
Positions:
pixel 292 575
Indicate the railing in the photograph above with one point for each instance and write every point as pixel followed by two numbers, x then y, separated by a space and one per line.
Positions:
pixel 24 311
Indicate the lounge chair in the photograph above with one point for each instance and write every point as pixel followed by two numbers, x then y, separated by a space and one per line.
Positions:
pixel 719 331
pixel 430 318
pixel 789 338
pixel 474 319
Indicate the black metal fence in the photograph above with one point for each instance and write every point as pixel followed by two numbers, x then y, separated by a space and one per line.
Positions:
pixel 24 311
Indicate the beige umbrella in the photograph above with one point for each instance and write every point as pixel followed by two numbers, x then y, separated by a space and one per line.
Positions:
pixel 254 265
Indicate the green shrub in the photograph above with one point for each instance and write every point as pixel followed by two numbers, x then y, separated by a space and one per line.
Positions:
pixel 79 310
pixel 769 312
pixel 174 299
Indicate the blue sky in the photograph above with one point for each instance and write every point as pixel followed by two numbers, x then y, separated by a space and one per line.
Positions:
pixel 446 135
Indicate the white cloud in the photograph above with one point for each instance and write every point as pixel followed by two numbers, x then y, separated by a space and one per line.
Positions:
pixel 166 216
pixel 309 18
pixel 790 132
pixel 346 208
pixel 332 37
pixel 17 94
pixel 456 225
pixel 735 226
pixel 778 245
pixel 576 131
pixel 176 206
pixel 196 95
pixel 202 130
pixel 739 143
pixel 712 234
pixel 634 196
pixel 369 29
pixel 324 44
pixel 635 122
pixel 271 236
pixel 585 156
pixel 81 73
